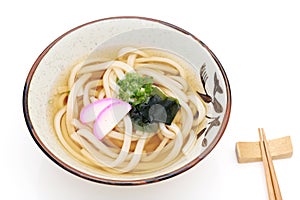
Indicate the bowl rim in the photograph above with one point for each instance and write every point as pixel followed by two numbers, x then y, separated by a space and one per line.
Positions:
pixel 143 181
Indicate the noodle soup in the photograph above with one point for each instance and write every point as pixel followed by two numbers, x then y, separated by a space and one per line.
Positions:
pixel 136 113
pixel 106 110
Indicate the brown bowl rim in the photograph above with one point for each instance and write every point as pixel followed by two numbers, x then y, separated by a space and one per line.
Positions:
pixel 144 181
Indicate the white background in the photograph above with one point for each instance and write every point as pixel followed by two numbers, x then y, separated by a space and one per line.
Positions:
pixel 258 43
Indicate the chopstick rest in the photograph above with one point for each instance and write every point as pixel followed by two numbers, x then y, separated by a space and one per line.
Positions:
pixel 250 151
pixel 266 151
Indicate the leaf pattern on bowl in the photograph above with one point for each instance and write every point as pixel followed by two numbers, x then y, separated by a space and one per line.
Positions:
pixel 210 99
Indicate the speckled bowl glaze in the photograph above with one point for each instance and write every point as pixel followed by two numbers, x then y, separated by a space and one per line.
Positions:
pixel 76 44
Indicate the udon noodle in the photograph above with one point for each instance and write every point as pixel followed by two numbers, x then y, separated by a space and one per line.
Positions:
pixel 126 149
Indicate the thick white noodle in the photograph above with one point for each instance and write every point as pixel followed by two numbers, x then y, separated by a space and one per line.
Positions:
pixel 177 145
pixel 187 120
pixel 76 138
pixel 158 66
pixel 181 81
pixel 95 67
pixel 96 163
pixel 127 50
pixel 131 59
pixel 101 94
pixel 163 60
pixel 105 66
pixel 106 83
pixel 166 132
pixel 72 101
pixel 123 66
pixel 112 82
pixel 137 154
pixel 120 136
pixel 88 86
pixel 93 99
pixel 79 125
pixel 160 78
pixel 80 92
pixel 190 143
pixel 200 109
pixel 57 127
pixel 96 143
pixel 120 74
pixel 73 74
pixel 97 155
pixel 126 143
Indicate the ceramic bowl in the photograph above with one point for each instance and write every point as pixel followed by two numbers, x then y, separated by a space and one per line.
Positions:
pixel 53 64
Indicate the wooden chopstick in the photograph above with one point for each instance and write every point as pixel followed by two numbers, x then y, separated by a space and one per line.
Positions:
pixel 266 167
pixel 271 167
pixel 271 178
